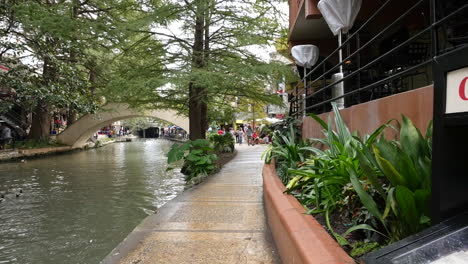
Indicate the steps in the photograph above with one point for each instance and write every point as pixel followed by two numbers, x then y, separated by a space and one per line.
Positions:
pixel 14 123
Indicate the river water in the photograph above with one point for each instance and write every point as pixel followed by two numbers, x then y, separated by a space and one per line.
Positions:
pixel 75 208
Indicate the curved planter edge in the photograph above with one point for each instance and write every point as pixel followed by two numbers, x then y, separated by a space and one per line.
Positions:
pixel 299 238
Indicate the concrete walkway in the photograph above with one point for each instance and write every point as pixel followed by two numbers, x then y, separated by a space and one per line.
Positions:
pixel 220 221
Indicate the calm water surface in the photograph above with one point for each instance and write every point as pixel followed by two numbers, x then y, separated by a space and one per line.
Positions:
pixel 75 208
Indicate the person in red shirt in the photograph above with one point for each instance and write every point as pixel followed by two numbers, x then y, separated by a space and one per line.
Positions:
pixel 255 138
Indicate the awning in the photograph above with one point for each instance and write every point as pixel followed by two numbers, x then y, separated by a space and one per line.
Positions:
pixel 269 120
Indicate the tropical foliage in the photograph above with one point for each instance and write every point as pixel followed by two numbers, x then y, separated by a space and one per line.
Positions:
pixel 192 56
pixel 198 157
pixel 288 150
pixel 222 143
pixel 381 186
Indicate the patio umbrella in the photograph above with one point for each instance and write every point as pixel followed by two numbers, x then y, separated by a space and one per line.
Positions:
pixel 305 56
pixel 340 16
pixel 269 119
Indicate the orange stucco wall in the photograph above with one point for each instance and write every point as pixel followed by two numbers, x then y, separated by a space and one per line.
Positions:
pixel 365 118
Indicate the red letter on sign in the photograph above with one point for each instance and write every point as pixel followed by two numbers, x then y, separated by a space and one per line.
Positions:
pixel 462 89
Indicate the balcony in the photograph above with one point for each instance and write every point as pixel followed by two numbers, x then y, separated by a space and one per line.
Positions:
pixel 389 50
pixel 304 19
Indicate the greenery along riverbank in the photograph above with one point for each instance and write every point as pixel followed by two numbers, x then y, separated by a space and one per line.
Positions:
pixel 202 157
pixel 367 190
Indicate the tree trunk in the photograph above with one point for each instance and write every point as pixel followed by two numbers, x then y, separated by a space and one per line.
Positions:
pixel 194 114
pixel 71 113
pixel 206 55
pixel 71 116
pixel 197 130
pixel 41 119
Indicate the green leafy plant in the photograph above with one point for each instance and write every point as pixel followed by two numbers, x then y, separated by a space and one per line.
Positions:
pixel 390 179
pixel 326 174
pixel 198 157
pixel 37 143
pixel 288 150
pixel 361 248
pixel 222 143
pixel 406 166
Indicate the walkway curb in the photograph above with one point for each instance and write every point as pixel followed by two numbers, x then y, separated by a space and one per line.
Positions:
pixel 299 238
pixel 29 153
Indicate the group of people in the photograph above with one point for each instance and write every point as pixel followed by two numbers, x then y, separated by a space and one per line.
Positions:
pixel 5 135
pixel 252 135
pixel 245 133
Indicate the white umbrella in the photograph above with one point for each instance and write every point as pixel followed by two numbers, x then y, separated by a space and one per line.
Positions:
pixel 269 119
pixel 305 56
pixel 340 16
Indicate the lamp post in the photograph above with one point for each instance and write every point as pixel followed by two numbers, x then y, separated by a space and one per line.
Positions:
pixel 340 16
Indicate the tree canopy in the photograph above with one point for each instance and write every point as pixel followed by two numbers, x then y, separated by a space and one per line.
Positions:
pixel 194 56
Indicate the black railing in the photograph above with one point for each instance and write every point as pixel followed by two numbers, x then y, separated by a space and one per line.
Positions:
pixel 382 59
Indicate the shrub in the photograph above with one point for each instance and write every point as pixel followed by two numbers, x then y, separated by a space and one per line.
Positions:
pixel 287 150
pixel 198 157
pixel 222 143
pixel 406 168
pixel 37 143
pixel 384 186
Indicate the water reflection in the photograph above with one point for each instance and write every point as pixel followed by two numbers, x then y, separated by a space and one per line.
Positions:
pixel 77 207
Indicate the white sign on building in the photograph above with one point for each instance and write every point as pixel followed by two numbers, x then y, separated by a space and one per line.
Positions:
pixel 457 91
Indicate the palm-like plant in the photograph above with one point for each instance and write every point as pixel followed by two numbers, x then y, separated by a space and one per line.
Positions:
pixel 288 150
pixel 406 166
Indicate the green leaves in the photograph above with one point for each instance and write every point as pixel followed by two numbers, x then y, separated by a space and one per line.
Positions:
pixel 361 227
pixel 411 140
pixel 389 170
pixel 287 148
pixel 222 143
pixel 407 210
pixel 407 166
pixel 390 179
pixel 196 155
pixel 177 152
pixel 366 199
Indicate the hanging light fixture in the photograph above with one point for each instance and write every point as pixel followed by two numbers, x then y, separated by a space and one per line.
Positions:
pixel 305 56
pixel 340 16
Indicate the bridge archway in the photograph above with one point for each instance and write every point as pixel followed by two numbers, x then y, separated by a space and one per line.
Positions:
pixel 79 132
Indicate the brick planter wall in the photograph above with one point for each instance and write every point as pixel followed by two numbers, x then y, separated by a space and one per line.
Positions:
pixel 299 238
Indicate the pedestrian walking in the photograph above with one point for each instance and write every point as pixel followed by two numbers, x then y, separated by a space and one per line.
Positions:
pixel 241 135
pixel 249 136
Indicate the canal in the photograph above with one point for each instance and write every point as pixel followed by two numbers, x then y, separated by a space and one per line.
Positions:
pixel 75 208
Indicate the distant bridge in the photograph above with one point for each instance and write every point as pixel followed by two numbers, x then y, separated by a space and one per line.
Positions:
pixel 79 132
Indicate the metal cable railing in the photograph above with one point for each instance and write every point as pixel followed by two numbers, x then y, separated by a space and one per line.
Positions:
pixel 416 50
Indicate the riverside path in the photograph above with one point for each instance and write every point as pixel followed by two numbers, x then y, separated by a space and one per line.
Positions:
pixel 219 221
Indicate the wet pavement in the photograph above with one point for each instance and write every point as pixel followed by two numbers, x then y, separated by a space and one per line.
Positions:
pixel 220 221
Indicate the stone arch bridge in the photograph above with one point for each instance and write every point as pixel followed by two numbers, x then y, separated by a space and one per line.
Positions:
pixel 79 132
